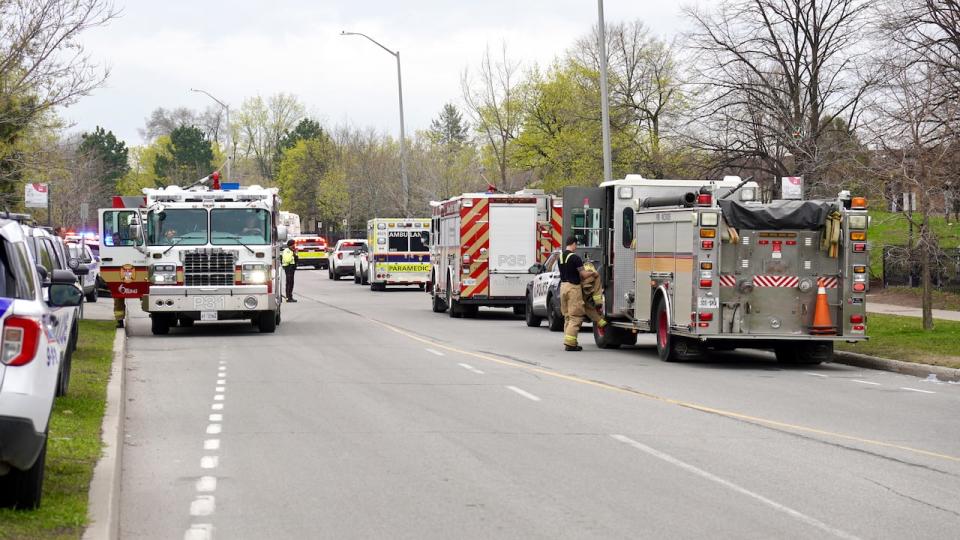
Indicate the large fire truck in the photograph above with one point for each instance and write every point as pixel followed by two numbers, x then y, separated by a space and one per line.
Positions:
pixel 196 254
pixel 706 266
pixel 482 246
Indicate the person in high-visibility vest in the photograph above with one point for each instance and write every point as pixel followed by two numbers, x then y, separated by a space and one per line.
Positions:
pixel 572 272
pixel 288 260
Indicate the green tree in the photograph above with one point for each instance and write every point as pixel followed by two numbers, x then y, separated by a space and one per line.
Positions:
pixel 305 130
pixel 110 151
pixel 449 128
pixel 188 156
pixel 312 185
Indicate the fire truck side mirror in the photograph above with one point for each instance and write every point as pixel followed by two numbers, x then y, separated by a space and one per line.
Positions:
pixel 282 233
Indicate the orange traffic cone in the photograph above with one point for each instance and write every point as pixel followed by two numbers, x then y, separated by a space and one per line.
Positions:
pixel 822 324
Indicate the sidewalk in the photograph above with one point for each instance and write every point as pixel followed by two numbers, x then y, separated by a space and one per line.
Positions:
pixel 890 309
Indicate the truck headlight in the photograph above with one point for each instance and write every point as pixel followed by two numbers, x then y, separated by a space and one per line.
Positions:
pixel 163 274
pixel 255 274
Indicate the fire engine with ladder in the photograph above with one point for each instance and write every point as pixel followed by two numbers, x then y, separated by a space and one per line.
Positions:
pixel 482 246
pixel 705 266
pixel 200 253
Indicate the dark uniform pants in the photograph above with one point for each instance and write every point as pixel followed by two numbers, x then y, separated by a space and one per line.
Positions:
pixel 289 272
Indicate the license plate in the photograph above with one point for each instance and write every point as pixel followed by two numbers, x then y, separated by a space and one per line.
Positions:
pixel 209 303
pixel 708 302
pixel 208 315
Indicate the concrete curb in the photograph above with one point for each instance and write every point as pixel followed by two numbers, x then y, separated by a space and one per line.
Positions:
pixel 103 508
pixel 897 366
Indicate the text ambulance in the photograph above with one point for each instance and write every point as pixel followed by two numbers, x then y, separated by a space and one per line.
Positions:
pixel 399 252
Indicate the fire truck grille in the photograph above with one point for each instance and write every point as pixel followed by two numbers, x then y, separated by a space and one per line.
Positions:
pixel 208 269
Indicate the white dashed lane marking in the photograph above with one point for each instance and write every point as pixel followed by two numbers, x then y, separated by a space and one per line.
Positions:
pixel 211 444
pixel 865 382
pixel 213 429
pixel 199 531
pixel 207 484
pixel 432 351
pixel 203 505
pixel 812 374
pixel 216 417
pixel 216 407
pixel 209 462
pixel 917 390
pixel 524 393
pixel 470 368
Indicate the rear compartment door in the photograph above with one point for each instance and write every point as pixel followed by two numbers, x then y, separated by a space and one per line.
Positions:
pixel 513 248
pixel 583 209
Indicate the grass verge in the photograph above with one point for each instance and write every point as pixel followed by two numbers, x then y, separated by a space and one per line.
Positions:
pixel 903 338
pixel 905 296
pixel 892 228
pixel 74 445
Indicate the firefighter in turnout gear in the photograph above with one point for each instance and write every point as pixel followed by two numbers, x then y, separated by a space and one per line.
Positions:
pixel 574 309
pixel 289 262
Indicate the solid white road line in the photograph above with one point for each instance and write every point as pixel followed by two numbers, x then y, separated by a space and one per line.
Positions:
pixel 199 531
pixel 209 462
pixel 207 484
pixel 213 429
pixel 211 444
pixel 468 367
pixel 203 505
pixel 917 390
pixel 216 418
pixel 432 351
pixel 524 393
pixel 866 382
pixel 812 374
pixel 728 484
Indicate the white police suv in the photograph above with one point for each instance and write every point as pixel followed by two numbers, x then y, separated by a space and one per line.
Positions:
pixel 34 336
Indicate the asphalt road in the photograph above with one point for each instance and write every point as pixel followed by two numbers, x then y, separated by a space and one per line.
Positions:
pixel 369 416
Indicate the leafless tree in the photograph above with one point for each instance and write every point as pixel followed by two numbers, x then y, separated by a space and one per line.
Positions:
pixel 777 79
pixel 495 103
pixel 262 124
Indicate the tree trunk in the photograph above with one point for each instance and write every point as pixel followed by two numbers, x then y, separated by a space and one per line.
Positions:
pixel 925 249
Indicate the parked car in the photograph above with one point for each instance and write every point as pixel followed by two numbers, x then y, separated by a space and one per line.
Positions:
pixel 361 266
pixel 312 251
pixel 543 294
pixel 49 253
pixel 341 258
pixel 36 319
pixel 90 280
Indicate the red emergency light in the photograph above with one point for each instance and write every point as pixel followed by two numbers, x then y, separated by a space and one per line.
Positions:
pixel 216 179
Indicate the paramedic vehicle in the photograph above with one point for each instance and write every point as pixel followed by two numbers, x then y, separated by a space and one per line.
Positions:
pixel 483 245
pixel 35 329
pixel 397 253
pixel 197 254
pixel 705 266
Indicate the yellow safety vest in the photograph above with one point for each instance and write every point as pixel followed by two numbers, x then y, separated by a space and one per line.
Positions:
pixel 287 258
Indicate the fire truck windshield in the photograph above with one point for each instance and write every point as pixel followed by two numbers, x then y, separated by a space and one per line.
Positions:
pixel 233 226
pixel 185 227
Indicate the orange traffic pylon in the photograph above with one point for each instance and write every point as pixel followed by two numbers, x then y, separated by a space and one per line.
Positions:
pixel 822 323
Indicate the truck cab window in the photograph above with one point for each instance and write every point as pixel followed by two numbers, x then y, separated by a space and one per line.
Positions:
pixel 628 228
pixel 586 226
pixel 116 228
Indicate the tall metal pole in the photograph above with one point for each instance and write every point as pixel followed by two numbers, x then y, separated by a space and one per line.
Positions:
pixel 405 185
pixel 228 141
pixel 604 101
pixel 403 146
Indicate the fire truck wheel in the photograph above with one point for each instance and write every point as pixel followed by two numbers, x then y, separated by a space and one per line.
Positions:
pixel 554 317
pixel 267 323
pixel 529 316
pixel 159 324
pixel 470 312
pixel 185 322
pixel 439 306
pixel 672 348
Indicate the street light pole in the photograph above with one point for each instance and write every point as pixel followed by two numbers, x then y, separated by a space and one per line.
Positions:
pixel 604 101
pixel 405 185
pixel 228 141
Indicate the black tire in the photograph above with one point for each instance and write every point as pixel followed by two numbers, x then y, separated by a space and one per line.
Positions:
pixel 356 278
pixel 378 287
pixel 609 339
pixel 74 336
pixel 63 379
pixel 159 324
pixel 437 303
pixel 554 317
pixel 267 322
pixel 456 311
pixel 532 319
pixel 804 353
pixel 671 348
pixel 363 278
pixel 23 490
pixel 185 322
pixel 92 296
pixel 330 272
pixel 520 310
pixel 470 312
pixel 317 267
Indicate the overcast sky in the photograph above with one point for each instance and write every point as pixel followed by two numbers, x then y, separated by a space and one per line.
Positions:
pixel 234 49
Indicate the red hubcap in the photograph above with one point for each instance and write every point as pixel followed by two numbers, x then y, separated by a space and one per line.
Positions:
pixel 662 328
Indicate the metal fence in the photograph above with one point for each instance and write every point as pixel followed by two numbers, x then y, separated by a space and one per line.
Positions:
pixel 901 267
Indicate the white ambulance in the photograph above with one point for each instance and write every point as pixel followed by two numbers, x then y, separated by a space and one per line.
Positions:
pixel 398 252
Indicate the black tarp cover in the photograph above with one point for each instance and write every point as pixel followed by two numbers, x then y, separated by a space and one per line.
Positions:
pixel 777 215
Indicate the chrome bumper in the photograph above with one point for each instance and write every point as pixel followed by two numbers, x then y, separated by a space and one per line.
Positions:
pixel 235 298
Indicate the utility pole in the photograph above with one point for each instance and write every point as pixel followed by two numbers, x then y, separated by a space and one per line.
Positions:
pixel 405 185
pixel 604 100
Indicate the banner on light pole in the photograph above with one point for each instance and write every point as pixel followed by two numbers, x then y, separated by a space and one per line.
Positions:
pixel 36 195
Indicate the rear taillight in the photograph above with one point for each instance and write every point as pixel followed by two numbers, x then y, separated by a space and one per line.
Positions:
pixel 21 339
pixel 706 317
pixel 340 255
pixel 859 287
pixel 706 283
pixel 856 319
pixel 704 199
